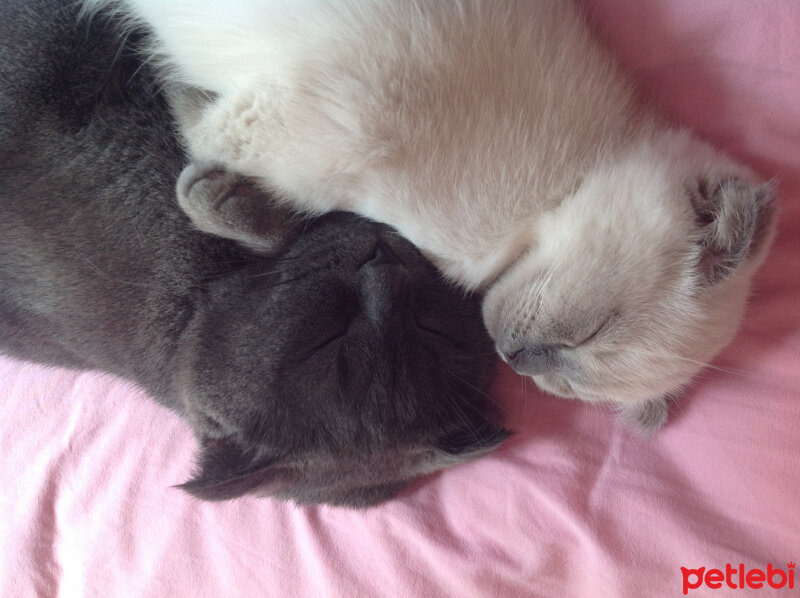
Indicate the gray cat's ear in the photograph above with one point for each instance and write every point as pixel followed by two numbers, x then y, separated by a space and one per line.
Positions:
pixel 735 220
pixel 187 103
pixel 646 417
pixel 225 471
pixel 469 443
pixel 228 205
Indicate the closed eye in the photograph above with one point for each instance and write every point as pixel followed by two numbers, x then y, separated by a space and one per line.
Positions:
pixel 426 328
pixel 327 342
pixel 432 330
pixel 333 323
pixel 593 335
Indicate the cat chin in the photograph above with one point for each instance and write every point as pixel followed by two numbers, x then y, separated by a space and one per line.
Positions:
pixel 642 416
pixel 556 385
pixel 559 385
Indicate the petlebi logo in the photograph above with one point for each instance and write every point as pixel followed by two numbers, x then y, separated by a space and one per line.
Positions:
pixel 738 578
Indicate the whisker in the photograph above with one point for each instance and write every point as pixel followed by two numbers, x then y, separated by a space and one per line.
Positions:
pixel 700 363
pixel 450 398
pixel 478 390
pixel 117 280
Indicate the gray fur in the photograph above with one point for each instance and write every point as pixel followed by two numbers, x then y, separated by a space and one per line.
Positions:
pixel 334 370
pixel 224 204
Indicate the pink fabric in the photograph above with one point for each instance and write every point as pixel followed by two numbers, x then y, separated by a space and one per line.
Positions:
pixel 572 506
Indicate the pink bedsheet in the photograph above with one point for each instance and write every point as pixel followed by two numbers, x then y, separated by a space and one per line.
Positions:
pixel 572 506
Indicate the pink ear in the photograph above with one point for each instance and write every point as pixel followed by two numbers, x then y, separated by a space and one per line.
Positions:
pixel 225 471
pixel 736 220
pixel 228 205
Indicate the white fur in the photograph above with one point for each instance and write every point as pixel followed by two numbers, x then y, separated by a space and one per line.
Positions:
pixel 497 136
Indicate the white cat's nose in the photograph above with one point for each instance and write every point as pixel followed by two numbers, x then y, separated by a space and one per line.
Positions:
pixel 533 359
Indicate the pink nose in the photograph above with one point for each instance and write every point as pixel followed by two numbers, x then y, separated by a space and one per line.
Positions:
pixel 533 360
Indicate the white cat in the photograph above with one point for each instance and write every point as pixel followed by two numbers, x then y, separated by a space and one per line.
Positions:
pixel 502 139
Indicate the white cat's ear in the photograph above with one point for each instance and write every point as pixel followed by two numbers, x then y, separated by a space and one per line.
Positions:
pixel 735 220
pixel 228 205
pixel 646 417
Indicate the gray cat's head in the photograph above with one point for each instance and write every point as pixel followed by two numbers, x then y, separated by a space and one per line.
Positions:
pixel 337 368
pixel 334 369
pixel 637 280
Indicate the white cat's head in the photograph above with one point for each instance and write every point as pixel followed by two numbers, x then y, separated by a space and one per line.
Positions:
pixel 637 279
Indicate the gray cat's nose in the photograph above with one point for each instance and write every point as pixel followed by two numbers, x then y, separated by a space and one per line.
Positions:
pixel 382 256
pixel 379 284
pixel 533 359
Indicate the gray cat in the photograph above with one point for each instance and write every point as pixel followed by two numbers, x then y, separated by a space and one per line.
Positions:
pixel 335 369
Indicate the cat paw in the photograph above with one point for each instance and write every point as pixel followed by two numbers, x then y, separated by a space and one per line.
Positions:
pixel 226 204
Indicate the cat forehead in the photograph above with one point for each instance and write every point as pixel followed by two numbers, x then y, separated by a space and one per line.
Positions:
pixel 603 219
